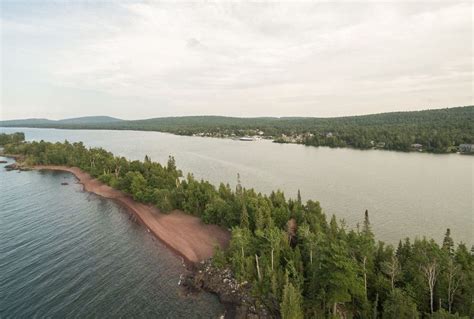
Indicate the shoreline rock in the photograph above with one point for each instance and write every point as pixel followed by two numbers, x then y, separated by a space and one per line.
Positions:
pixel 17 167
pixel 236 297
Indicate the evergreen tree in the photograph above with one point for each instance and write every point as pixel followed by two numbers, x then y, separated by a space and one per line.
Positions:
pixel 291 305
pixel 398 305
pixel 448 243
pixel 244 217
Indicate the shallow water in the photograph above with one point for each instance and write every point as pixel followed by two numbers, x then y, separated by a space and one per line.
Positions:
pixel 407 194
pixel 68 253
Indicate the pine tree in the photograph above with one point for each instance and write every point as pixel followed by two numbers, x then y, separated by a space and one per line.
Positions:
pixel 244 217
pixel 337 274
pixel 448 243
pixel 398 305
pixel 291 305
pixel 366 229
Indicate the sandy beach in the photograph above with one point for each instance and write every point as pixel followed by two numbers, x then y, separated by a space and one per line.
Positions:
pixel 185 234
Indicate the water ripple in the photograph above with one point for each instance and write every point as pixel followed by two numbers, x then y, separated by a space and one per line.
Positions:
pixel 66 253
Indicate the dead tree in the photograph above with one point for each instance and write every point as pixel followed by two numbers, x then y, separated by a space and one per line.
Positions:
pixel 430 271
pixel 454 278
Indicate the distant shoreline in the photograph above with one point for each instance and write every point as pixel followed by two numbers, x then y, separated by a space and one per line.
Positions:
pixel 236 138
pixel 184 234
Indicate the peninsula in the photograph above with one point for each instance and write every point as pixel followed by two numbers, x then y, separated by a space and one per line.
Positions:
pixel 288 256
pixel 183 233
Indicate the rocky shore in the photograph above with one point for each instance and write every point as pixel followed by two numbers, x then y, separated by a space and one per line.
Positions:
pixel 235 296
pixel 16 166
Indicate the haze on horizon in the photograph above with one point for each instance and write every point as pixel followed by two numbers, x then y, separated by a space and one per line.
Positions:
pixel 136 60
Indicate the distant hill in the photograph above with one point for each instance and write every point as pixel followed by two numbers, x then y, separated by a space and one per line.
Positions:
pixel 90 120
pixel 26 122
pixel 86 120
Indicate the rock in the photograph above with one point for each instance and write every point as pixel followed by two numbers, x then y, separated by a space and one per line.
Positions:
pixel 11 167
pixel 64 183
pixel 3 162
pixel 236 298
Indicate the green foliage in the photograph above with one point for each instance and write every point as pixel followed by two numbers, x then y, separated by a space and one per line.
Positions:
pixel 291 305
pixel 443 314
pixel 398 305
pixel 11 138
pixel 219 259
pixel 297 262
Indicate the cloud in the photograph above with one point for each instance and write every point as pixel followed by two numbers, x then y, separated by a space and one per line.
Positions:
pixel 271 58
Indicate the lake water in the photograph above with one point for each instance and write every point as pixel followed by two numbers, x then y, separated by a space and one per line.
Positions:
pixel 407 194
pixel 65 253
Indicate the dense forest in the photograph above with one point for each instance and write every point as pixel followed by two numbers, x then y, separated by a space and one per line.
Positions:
pixel 438 131
pixel 299 263
pixel 11 138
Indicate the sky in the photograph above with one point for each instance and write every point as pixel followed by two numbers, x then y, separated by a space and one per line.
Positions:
pixel 133 60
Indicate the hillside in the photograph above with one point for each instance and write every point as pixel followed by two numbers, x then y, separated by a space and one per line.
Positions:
pixel 86 120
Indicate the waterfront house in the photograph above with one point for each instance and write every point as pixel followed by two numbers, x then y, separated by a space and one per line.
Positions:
pixel 417 146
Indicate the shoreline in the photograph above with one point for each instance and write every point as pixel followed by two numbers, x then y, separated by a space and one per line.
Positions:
pixel 184 234
pixel 265 137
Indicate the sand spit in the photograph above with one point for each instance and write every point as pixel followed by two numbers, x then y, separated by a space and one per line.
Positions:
pixel 185 234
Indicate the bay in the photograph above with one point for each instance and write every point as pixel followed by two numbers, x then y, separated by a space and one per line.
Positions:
pixel 407 194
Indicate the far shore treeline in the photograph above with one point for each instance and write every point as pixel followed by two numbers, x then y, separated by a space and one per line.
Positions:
pixel 436 131
pixel 299 264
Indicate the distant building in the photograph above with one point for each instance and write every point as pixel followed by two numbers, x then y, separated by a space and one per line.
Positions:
pixel 466 148
pixel 380 145
pixel 329 134
pixel 417 146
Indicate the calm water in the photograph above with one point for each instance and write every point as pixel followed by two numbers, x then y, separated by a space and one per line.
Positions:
pixel 66 253
pixel 407 194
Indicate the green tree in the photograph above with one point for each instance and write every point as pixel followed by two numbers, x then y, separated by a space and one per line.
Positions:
pixel 138 185
pixel 443 314
pixel 291 305
pixel 398 305
pixel 448 243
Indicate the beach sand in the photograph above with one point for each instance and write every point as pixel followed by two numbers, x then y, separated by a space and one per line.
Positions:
pixel 185 234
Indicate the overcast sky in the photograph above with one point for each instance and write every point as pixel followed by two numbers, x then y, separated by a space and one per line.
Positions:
pixel 150 59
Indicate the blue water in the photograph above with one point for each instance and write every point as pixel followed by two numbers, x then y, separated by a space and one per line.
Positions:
pixel 68 253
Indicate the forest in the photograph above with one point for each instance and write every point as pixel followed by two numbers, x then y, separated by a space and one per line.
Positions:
pixel 11 138
pixel 299 262
pixel 438 131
